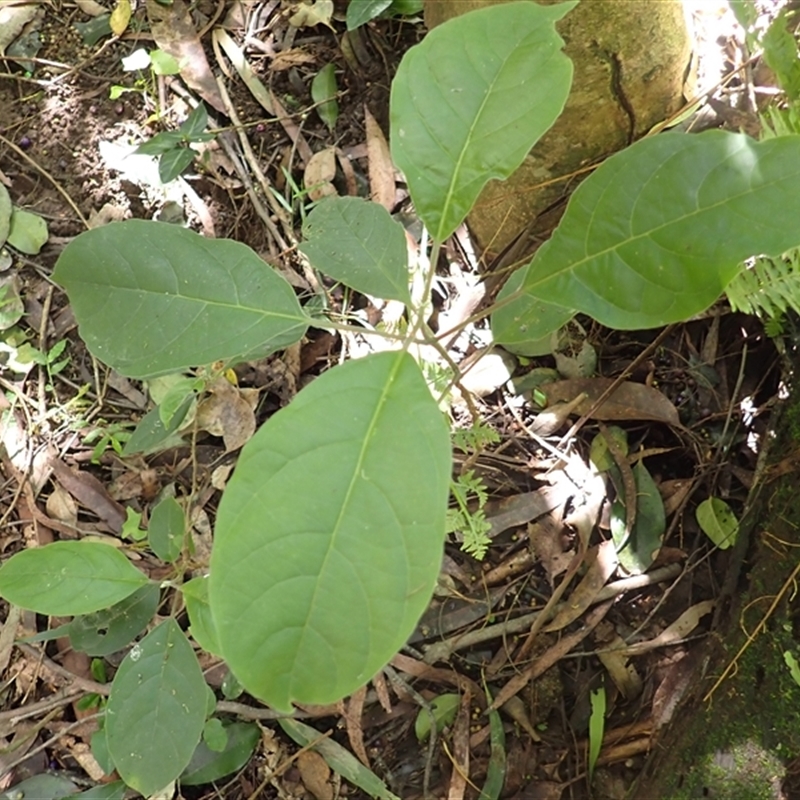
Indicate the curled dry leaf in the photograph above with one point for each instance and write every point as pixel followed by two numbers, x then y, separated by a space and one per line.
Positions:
pixel 315 774
pixel 62 507
pixel 227 413
pixel 379 159
pixel 319 174
pixel 628 401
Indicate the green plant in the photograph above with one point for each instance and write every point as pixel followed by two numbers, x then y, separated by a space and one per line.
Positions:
pixel 172 147
pixel 360 12
pixel 329 535
pixel 148 65
pixel 471 523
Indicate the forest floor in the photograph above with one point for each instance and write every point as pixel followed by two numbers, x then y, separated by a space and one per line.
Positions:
pixel 696 405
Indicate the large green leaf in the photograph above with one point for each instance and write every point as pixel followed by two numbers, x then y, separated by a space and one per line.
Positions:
pixel 470 101
pixel 329 535
pixel 659 230
pixel 207 765
pixel 69 578
pixel 359 244
pixel 153 298
pixel 156 710
pixel 110 629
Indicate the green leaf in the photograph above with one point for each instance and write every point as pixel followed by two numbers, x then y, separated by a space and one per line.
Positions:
pixel 153 298
pixel 214 735
pixel 444 708
pixel 41 787
pixel 151 435
pixel 793 665
pixel 323 93
pixel 163 63
pixel 94 30
pixel 498 759
pixel 329 589
pixel 207 766
pixel 107 791
pixel 110 629
pixel 781 56
pixel 27 232
pixel 167 529
pixel 360 12
pixel 406 8
pixel 5 214
pixel 639 551
pixel 338 758
pixel 658 231
pixel 161 143
pixel 156 710
pixel 201 623
pixel 174 162
pixel 717 520
pixel 12 307
pixel 69 578
pixel 358 243
pixel 469 102
pixel 195 123
pixel 597 724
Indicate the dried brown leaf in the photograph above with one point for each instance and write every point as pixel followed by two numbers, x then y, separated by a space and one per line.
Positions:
pixel 315 774
pixel 319 174
pixel 89 492
pixel 379 159
pixel 628 401
pixel 174 32
pixel 602 561
pixel 226 413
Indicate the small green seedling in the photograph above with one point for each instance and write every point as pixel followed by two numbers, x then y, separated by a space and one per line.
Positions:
pixel 148 65
pixel 173 148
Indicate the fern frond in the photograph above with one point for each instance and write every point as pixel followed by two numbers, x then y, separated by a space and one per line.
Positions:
pixel 768 287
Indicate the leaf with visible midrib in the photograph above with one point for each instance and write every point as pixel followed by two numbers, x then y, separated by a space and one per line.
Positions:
pixel 357 242
pixel 659 230
pixel 329 535
pixel 69 578
pixel 469 102
pixel 156 709
pixel 152 298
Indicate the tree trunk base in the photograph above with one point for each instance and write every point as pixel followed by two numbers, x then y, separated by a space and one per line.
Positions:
pixel 743 743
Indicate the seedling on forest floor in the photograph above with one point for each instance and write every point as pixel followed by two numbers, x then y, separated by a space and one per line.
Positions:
pixel 148 66
pixel 328 537
pixel 173 148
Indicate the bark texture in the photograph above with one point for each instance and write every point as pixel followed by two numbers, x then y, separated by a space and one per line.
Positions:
pixel 631 59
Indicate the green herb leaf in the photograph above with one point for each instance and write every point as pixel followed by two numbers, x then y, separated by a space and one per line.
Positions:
pixel 167 529
pixel 207 765
pixel 110 629
pixel 358 243
pixel 365 547
pixel 153 298
pixel 654 235
pixel 717 520
pixel 156 710
pixel 469 102
pixel 69 578
pixel 360 12
pixel 323 93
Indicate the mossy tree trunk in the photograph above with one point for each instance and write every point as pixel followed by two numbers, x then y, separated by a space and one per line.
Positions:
pixel 738 738
pixel 631 60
